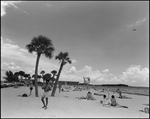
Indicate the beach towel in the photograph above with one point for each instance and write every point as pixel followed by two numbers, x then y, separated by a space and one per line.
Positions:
pixel 124 97
pixel 81 98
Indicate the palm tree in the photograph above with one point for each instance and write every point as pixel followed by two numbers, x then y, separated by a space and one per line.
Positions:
pixel 40 45
pixel 26 76
pixel 29 76
pixel 16 74
pixel 22 74
pixel 33 76
pixel 9 76
pixel 54 72
pixel 63 58
pixel 42 72
pixel 47 76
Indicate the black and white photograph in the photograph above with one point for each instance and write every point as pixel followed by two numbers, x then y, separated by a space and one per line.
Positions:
pixel 74 59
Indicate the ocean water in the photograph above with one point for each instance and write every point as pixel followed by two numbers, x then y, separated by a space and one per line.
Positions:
pixel 130 90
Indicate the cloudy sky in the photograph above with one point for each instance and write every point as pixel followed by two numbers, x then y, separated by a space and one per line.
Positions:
pixel 98 36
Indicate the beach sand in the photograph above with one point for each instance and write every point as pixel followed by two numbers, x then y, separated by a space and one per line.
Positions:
pixel 64 104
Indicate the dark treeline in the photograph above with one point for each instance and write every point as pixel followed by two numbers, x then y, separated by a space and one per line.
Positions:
pixel 115 85
pixel 124 85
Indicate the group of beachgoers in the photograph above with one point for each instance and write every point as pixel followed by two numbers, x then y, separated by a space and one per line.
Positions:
pixel 89 96
pixel 47 86
pixel 112 102
pixel 109 101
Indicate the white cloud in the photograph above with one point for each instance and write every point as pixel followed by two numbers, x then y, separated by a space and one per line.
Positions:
pixel 86 69
pixel 137 23
pixel 23 50
pixel 105 71
pixel 16 58
pixel 22 58
pixel 134 75
pixel 137 74
pixel 10 66
pixel 8 40
pixel 5 4
pixel 72 70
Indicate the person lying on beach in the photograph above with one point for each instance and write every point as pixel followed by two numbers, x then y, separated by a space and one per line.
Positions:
pixel 88 96
pixel 64 90
pixel 146 110
pixel 105 101
pixel 77 89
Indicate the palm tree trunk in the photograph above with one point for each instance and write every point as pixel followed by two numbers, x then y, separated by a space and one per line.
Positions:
pixel 55 86
pixel 35 79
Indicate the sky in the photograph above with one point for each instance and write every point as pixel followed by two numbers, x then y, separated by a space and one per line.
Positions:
pixel 106 41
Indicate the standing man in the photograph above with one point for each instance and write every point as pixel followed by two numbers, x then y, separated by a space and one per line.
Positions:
pixel 60 87
pixel 46 87
pixel 31 88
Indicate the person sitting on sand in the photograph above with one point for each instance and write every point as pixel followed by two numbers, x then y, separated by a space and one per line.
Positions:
pixel 120 93
pixel 89 96
pixel 31 88
pixel 146 110
pixel 114 102
pixel 47 88
pixel 105 102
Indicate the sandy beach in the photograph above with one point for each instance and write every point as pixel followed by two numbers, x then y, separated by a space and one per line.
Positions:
pixel 65 104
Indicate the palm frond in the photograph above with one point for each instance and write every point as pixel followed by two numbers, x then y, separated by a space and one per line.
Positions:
pixel 59 56
pixel 9 76
pixel 41 45
pixel 69 61
pixel 64 57
pixel 54 72
pixel 49 52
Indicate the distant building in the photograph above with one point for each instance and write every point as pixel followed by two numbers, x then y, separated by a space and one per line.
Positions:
pixel 68 82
